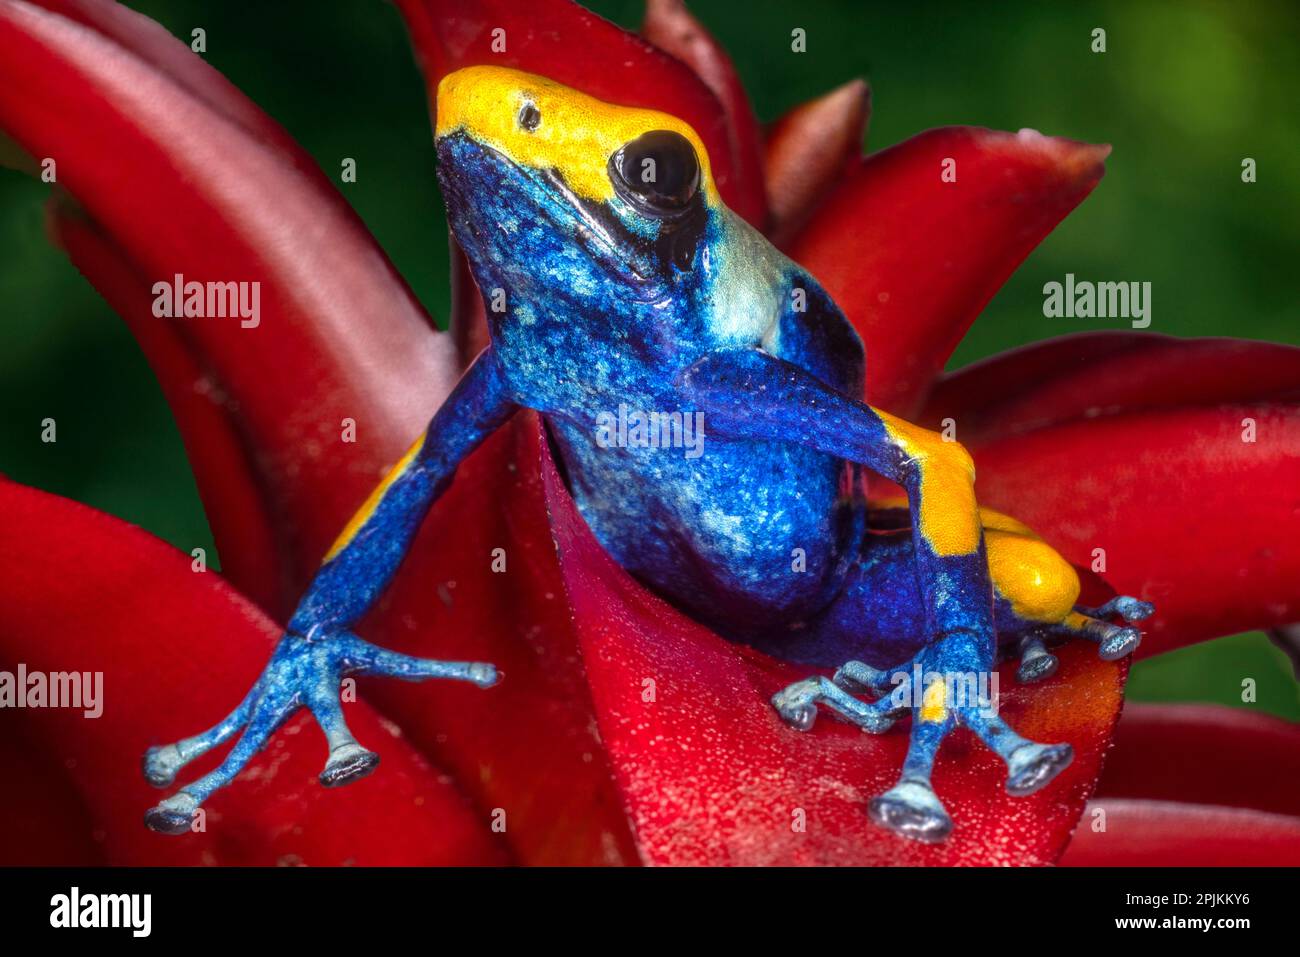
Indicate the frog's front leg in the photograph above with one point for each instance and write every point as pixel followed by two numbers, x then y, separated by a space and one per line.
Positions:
pixel 317 649
pixel 748 393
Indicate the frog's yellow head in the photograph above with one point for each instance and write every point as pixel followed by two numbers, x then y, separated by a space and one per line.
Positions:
pixel 534 172
pixel 541 125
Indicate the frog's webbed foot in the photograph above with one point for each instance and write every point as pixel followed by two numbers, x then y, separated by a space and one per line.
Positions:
pixel 911 808
pixel 300 672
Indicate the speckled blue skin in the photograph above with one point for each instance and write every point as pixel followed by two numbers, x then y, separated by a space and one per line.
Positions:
pixel 604 309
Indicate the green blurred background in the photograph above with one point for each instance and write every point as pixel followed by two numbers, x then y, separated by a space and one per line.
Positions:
pixel 1184 92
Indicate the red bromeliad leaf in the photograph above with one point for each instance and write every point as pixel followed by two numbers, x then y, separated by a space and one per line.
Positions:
pixel 573 46
pixel 710 775
pixel 968 391
pixel 1101 373
pixel 177 649
pixel 672 28
pixel 43 822
pixel 1190 784
pixel 1169 834
pixel 808 151
pixel 1205 754
pixel 912 259
pixel 233 497
pixel 1198 510
pixel 150 42
pixel 174 173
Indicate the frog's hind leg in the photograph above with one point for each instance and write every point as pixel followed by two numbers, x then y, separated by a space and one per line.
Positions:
pixel 1126 607
pixel 1036 601
pixel 951 698
pixel 911 808
pixel 1113 641
pixel 1036 662
pixel 880 611
pixel 1030 638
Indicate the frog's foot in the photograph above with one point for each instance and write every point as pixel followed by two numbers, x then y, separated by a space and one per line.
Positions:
pixel 797 703
pixel 952 696
pixel 1113 641
pixel 911 809
pixel 300 672
pixel 1036 662
pixel 1125 606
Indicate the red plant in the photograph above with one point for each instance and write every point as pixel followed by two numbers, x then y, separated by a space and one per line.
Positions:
pixel 164 167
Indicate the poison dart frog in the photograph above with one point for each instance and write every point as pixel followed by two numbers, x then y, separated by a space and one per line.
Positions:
pixel 626 283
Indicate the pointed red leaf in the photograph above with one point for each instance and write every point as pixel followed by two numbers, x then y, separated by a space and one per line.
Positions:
pixel 178 179
pixel 153 44
pixel 710 775
pixel 1191 516
pixel 1205 754
pixel 970 393
pixel 1170 834
pixel 233 497
pixel 561 40
pixel 1101 373
pixel 808 151
pixel 177 649
pixel 672 28
pixel 913 259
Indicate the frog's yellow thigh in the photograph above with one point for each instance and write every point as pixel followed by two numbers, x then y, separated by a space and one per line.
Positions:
pixel 1039 584
pixel 1026 571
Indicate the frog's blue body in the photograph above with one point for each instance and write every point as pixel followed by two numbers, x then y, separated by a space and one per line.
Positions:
pixel 717 531
pixel 611 296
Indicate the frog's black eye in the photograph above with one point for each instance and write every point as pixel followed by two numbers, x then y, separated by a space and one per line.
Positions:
pixel 658 172
pixel 529 117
